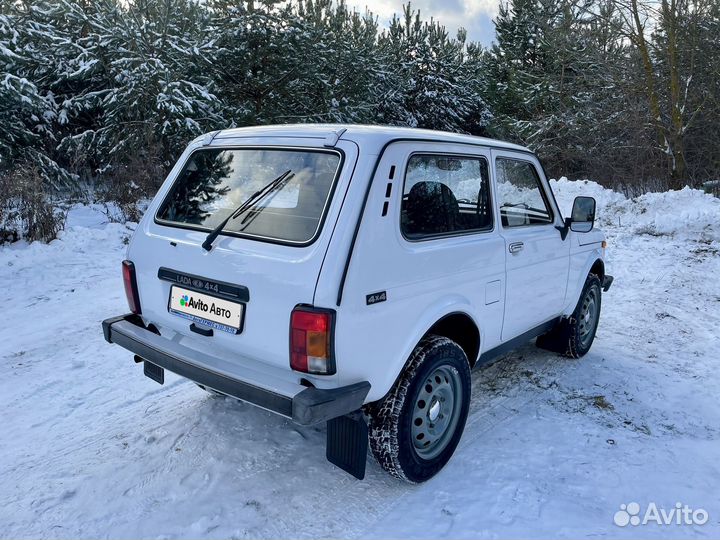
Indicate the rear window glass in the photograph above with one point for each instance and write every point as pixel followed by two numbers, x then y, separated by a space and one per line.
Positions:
pixel 215 182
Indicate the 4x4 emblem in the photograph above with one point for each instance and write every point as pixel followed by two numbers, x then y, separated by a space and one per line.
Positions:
pixel 374 298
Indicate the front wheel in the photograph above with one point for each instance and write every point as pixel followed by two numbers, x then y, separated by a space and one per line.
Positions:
pixel 574 336
pixel 415 430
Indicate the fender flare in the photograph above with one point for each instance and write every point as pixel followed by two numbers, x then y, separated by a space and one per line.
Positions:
pixel 450 305
pixel 593 256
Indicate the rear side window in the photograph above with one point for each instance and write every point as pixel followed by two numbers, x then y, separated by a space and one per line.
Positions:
pixel 214 182
pixel 520 194
pixel 445 195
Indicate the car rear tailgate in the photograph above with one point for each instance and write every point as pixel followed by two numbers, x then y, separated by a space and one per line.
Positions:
pixel 277 277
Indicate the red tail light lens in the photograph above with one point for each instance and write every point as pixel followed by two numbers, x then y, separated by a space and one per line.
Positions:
pixel 131 290
pixel 311 340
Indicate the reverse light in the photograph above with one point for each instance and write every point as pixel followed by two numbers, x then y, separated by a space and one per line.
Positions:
pixel 131 290
pixel 311 340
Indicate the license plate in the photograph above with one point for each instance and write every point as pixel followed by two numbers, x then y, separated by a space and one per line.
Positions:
pixel 209 310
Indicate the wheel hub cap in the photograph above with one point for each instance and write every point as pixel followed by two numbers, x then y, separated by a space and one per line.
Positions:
pixel 436 411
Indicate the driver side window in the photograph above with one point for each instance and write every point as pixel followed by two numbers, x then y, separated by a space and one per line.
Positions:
pixel 520 194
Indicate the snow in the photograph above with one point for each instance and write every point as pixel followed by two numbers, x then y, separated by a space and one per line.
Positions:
pixel 92 448
pixel 689 213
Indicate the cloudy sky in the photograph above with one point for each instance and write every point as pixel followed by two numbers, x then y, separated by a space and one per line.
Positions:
pixel 474 15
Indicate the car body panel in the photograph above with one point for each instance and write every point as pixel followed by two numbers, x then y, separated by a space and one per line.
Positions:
pixel 583 258
pixel 536 274
pixel 361 254
pixel 278 276
pixel 428 279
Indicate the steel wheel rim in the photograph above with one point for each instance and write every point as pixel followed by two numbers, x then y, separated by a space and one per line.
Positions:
pixel 588 316
pixel 436 412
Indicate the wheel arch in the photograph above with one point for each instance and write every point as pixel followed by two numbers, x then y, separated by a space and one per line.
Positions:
pixel 446 322
pixel 598 268
pixel 593 263
pixel 462 329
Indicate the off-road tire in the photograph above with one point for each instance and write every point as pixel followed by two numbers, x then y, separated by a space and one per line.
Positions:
pixel 567 337
pixel 391 439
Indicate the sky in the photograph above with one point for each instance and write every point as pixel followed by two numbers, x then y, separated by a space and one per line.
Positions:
pixel 474 15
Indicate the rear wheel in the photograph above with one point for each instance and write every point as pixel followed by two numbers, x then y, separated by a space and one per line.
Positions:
pixel 415 430
pixel 574 336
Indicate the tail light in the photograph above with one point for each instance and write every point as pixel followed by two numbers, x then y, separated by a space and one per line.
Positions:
pixel 311 340
pixel 131 290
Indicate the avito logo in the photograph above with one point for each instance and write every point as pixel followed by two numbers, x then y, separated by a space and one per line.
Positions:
pixel 189 301
pixel 681 514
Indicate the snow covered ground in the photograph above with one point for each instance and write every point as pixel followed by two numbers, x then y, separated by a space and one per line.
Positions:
pixel 91 448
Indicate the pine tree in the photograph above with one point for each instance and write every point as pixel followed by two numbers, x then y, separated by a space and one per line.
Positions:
pixel 255 58
pixel 342 64
pixel 23 111
pixel 153 95
pixel 550 84
pixel 426 81
pixel 27 110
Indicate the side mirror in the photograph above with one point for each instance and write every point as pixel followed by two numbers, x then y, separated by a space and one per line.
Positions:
pixel 583 214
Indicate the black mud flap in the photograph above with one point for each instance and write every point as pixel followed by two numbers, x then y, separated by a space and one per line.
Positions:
pixel 347 443
pixel 156 373
pixel 607 282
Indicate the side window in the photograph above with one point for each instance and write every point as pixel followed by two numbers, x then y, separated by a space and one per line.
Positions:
pixel 444 195
pixel 520 194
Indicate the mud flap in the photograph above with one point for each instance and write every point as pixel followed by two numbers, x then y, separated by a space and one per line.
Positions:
pixel 347 443
pixel 156 373
pixel 556 340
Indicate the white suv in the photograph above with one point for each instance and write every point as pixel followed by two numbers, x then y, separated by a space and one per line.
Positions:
pixel 355 275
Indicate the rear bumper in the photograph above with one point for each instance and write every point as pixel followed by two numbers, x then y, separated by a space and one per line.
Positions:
pixel 607 282
pixel 305 406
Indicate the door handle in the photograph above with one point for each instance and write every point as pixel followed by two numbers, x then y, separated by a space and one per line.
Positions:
pixel 515 247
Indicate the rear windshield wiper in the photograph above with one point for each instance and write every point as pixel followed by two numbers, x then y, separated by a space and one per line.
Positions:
pixel 253 212
pixel 212 235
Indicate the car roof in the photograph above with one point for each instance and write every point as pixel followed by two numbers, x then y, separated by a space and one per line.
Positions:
pixel 372 136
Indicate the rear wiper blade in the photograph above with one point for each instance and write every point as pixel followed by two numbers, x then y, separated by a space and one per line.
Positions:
pixel 212 235
pixel 252 213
